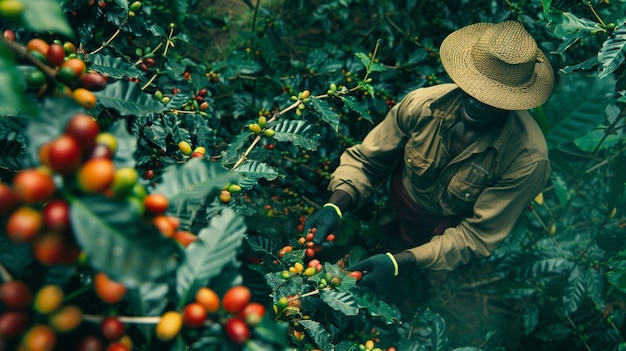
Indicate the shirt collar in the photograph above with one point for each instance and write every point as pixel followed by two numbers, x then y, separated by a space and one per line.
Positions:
pixel 445 109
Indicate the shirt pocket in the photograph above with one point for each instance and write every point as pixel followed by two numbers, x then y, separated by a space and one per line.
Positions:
pixel 415 162
pixel 465 187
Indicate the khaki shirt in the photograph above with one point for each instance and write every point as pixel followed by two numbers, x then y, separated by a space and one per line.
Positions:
pixel 489 184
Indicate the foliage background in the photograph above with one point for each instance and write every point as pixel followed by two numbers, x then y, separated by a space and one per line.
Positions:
pixel 558 281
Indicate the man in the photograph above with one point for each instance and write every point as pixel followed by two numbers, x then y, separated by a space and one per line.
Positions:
pixel 465 158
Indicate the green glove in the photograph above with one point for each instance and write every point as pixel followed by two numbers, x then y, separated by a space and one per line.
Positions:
pixel 379 271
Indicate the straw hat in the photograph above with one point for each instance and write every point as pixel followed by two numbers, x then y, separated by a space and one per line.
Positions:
pixel 498 64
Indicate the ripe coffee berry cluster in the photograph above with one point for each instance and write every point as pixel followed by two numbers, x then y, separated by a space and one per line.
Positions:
pixel 36 320
pixel 311 248
pixel 155 206
pixel 234 311
pixel 60 65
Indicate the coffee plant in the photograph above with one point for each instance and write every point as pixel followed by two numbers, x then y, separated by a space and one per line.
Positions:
pixel 158 161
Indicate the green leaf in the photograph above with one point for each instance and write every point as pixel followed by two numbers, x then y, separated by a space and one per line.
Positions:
pixel 354 105
pixel 575 291
pixel 524 265
pixel 611 55
pixel 187 186
pixel 340 301
pixel 578 105
pixel 205 258
pixel 45 16
pixel 126 145
pixel 117 242
pixel 327 114
pixel 347 346
pixel 256 170
pixel 437 326
pixel 11 100
pixel 320 336
pixel 374 306
pixel 561 189
pixel 583 283
pixel 128 99
pixel 299 132
pixel 570 28
pixel 113 67
pixel 369 65
pixel 554 332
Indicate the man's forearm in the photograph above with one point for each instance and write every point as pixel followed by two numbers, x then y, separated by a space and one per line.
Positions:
pixel 342 200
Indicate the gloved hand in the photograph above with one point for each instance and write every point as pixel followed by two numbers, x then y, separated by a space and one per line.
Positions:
pixel 326 221
pixel 380 270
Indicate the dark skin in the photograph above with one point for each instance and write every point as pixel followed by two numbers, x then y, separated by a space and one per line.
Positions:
pixel 474 119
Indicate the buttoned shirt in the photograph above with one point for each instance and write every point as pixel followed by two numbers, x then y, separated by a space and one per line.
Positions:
pixel 489 183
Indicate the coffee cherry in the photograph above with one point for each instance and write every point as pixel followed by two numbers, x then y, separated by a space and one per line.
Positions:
pixel 237 330
pixel 236 299
pixel 55 55
pixel 33 186
pixel 107 289
pixel 112 328
pixel 184 148
pixel 208 298
pixel 36 79
pixel 85 129
pixel 90 343
pixel 64 155
pixel 56 215
pixel 39 337
pixel 225 196
pixel 93 81
pixel 169 326
pixel 253 313
pixel 124 181
pixel 11 9
pixel 194 315
pixel 255 128
pixel 356 275
pixel 107 139
pixel 66 319
pixel 117 346
pixel 84 98
pixel 15 294
pixel 48 299
pixel 24 224
pixel 185 238
pixel 13 323
pixel 77 65
pixel 38 45
pixel 95 175
pixel 8 199
pixel 156 204
pixel 51 248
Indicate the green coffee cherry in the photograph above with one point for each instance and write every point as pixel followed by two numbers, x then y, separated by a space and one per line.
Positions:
pixel 135 6
pixel 255 128
pixel 262 121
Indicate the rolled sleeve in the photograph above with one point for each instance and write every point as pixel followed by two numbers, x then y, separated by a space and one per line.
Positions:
pixel 495 213
pixel 364 167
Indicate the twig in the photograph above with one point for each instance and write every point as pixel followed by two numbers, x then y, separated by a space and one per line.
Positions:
pixel 4 273
pixel 131 319
pixel 115 35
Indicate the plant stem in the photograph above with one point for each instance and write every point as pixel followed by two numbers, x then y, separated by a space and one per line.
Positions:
pixel 4 274
pixel 593 11
pixel 115 35
pixel 131 319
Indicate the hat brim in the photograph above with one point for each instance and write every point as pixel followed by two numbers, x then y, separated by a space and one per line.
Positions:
pixel 455 54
